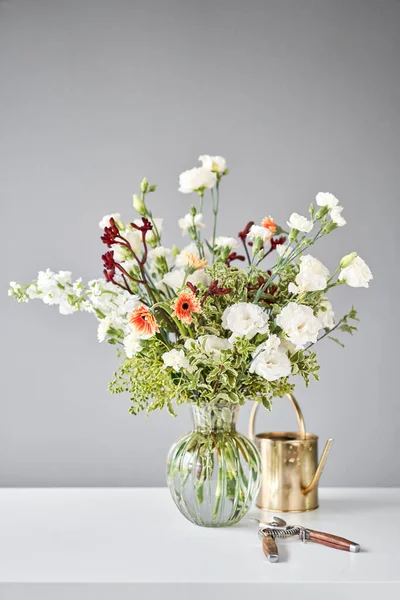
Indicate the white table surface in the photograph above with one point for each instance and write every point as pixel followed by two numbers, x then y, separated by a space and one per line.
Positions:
pixel 138 536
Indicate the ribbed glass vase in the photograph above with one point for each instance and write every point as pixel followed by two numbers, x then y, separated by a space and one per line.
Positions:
pixel 213 472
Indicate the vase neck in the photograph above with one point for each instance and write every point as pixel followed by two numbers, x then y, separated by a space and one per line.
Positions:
pixel 215 417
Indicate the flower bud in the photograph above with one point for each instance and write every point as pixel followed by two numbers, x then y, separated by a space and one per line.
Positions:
pixel 152 188
pixel 347 260
pixel 175 250
pixel 144 185
pixel 321 212
pixel 257 245
pixel 193 210
pixel 139 205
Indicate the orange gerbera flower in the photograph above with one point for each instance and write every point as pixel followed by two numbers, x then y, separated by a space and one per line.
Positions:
pixel 195 261
pixel 270 224
pixel 143 321
pixel 185 305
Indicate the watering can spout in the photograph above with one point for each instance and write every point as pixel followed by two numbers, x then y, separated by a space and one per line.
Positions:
pixel 320 468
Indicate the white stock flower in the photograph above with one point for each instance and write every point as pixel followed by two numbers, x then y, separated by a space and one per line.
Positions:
pixel 225 242
pixel 326 199
pixel 53 288
pixel 105 221
pixel 213 344
pixel 357 274
pixel 299 324
pixel 175 359
pixel 245 319
pixel 132 344
pixel 300 223
pixel 270 360
pixel 312 276
pixel 256 231
pixel 337 217
pixel 196 180
pixel 326 317
pixel 216 164
pixel 189 221
pixel 103 327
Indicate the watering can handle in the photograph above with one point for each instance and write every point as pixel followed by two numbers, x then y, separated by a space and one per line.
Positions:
pixel 299 415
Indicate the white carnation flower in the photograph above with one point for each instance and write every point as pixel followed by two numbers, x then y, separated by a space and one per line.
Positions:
pixel 245 319
pixel 256 231
pixel 326 199
pixel 132 344
pixel 175 359
pixel 189 221
pixel 105 221
pixel 313 276
pixel 216 164
pixel 225 242
pixel 357 274
pixel 337 217
pixel 270 360
pixel 299 324
pixel 327 316
pixel 196 180
pixel 300 223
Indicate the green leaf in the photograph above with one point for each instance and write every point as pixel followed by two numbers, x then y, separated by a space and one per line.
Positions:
pixel 336 340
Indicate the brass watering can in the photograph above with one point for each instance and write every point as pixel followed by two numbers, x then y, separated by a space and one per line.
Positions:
pixel 290 470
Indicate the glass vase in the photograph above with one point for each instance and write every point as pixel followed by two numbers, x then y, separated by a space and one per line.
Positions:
pixel 214 472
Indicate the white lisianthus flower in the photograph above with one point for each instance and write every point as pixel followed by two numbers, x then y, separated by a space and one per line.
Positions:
pixel 216 164
pixel 327 316
pixel 270 360
pixel 225 242
pixel 182 260
pixel 196 180
pixel 299 324
pixel 159 252
pixel 150 235
pixel 213 344
pixel 313 276
pixel 256 231
pixel 326 199
pixel 300 223
pixel 175 279
pixel 132 344
pixel 105 221
pixel 175 359
pixel 357 274
pixel 337 217
pixel 283 250
pixel 189 221
pixel 245 319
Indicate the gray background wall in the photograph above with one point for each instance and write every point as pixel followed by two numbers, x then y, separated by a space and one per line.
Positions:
pixel 299 95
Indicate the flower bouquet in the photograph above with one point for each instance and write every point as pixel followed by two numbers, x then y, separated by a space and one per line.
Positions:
pixel 211 324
